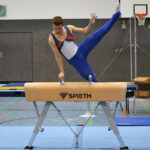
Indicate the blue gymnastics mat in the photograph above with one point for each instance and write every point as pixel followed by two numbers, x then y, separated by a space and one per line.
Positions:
pixel 14 84
pixel 132 121
pixel 61 138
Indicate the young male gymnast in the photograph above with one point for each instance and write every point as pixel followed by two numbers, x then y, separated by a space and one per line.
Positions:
pixel 62 43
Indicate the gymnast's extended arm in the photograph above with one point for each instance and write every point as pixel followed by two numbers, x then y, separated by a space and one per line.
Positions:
pixel 58 56
pixel 87 28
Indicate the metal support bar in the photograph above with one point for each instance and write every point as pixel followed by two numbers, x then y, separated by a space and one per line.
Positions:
pixel 121 106
pixel 116 106
pixel 131 54
pixel 112 123
pixel 36 109
pixel 135 47
pixel 127 105
pixel 134 107
pixel 39 123
pixel 76 134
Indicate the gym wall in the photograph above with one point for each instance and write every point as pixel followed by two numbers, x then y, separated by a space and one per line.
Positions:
pixel 26 56
pixel 46 9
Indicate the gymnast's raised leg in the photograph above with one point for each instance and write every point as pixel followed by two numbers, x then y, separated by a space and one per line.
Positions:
pixel 79 61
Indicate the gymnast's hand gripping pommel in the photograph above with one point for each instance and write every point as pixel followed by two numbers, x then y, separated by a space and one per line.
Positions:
pixel 93 18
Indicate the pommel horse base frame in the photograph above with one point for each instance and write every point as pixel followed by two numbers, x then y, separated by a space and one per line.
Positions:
pixel 41 118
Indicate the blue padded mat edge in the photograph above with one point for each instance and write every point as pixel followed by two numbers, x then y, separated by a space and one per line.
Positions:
pixel 132 121
pixel 20 84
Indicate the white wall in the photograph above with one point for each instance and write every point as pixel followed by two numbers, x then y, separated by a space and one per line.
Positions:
pixel 68 9
pixel 47 9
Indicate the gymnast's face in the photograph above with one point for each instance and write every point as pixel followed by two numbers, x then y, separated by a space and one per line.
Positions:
pixel 58 28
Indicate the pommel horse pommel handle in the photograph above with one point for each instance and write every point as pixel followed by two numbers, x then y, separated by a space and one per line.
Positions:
pixel 61 81
pixel 90 80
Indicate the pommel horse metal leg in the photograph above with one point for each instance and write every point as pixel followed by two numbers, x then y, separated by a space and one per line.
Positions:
pixel 76 134
pixel 38 124
pixel 113 125
pixel 116 106
pixel 36 109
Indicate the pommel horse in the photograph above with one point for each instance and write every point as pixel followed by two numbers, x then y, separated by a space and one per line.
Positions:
pixel 76 92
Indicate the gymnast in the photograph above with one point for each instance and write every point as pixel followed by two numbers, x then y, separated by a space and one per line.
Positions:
pixel 62 43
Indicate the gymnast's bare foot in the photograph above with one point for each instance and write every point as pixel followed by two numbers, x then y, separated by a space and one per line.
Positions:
pixel 117 7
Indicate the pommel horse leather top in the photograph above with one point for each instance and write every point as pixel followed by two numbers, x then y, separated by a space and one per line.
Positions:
pixel 75 91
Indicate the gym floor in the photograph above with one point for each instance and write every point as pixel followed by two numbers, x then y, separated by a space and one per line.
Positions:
pixel 17 119
pixel 24 115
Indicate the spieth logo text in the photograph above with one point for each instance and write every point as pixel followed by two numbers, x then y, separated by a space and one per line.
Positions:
pixel 75 95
